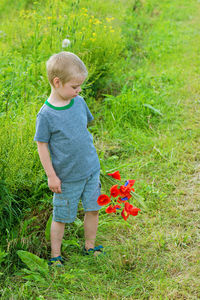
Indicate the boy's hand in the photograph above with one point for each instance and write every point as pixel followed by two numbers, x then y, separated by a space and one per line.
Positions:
pixel 54 184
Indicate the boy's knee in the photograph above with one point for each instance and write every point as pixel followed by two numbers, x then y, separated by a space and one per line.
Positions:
pixel 92 213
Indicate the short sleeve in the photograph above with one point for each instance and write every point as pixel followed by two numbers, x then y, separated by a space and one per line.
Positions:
pixel 89 115
pixel 42 133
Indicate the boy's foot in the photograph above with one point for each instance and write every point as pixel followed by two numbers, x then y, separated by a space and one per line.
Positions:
pixel 94 251
pixel 56 261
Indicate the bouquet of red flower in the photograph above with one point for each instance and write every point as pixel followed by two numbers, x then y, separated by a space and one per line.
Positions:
pixel 119 197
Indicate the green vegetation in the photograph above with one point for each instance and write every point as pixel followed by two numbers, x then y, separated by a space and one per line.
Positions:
pixel 143 88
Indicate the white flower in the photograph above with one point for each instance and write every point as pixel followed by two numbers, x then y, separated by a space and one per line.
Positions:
pixel 65 43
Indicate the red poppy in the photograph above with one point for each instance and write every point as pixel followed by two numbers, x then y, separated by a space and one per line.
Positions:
pixel 114 190
pixel 131 183
pixel 103 200
pixel 124 214
pixel 115 175
pixel 134 211
pixel 110 209
pixel 124 191
pixel 117 206
pixel 130 209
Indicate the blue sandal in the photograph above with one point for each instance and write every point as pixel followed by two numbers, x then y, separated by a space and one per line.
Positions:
pixel 56 261
pixel 92 250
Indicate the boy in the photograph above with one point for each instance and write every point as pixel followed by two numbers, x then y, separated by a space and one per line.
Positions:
pixel 73 170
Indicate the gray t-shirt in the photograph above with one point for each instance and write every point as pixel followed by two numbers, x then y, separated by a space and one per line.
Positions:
pixel 73 154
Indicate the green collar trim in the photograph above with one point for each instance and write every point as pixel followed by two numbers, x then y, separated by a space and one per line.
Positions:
pixel 62 107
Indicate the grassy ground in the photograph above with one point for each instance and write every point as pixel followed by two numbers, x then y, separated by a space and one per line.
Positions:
pixel 156 254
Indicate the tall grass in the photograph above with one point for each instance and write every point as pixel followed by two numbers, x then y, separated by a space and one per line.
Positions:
pixel 96 36
pixel 26 46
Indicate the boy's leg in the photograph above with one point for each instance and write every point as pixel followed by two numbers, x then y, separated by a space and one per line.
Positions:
pixel 90 227
pixel 64 211
pixel 57 232
pixel 89 197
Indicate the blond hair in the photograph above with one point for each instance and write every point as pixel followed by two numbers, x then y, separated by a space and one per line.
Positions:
pixel 66 66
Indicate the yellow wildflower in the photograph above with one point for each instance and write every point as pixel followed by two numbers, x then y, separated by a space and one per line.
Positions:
pixel 109 19
pixel 97 22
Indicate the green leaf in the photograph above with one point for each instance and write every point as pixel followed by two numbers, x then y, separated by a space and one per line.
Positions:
pixel 3 254
pixel 67 243
pixel 33 262
pixel 36 277
pixel 78 222
pixel 156 111
pixel 48 229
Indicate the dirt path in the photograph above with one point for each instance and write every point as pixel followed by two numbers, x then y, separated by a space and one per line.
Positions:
pixel 185 233
pixel 181 214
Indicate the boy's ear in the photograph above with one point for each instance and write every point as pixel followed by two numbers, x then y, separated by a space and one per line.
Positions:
pixel 56 82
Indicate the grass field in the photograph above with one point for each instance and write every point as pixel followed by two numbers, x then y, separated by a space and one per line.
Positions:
pixel 143 89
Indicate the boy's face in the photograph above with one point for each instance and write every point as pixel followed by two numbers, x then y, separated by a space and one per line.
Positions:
pixel 70 89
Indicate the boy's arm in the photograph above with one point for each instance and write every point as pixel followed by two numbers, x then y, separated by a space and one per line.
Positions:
pixel 54 182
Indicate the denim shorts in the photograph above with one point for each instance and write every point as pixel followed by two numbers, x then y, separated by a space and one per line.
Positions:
pixel 65 205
